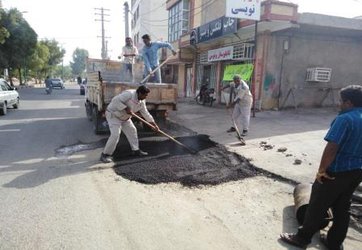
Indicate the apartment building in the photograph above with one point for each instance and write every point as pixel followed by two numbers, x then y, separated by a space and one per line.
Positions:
pixel 148 17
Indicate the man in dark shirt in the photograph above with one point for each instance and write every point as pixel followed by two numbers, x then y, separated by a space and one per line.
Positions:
pixel 339 174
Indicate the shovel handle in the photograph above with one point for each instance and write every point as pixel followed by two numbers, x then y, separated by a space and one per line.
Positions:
pixel 163 133
pixel 153 71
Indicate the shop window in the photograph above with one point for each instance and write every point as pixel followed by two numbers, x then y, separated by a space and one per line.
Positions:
pixel 178 20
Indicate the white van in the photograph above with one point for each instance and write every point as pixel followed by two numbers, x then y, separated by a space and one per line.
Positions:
pixel 9 97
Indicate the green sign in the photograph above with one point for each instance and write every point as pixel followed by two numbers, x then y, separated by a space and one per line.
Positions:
pixel 244 70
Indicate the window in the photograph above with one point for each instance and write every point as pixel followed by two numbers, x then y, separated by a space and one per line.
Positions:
pixel 3 87
pixel 178 20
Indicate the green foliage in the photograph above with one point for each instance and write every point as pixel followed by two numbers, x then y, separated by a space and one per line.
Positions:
pixel 38 64
pixel 19 47
pixel 4 33
pixel 62 71
pixel 79 61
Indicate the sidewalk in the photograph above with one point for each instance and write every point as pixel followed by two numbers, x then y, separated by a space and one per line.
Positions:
pixel 300 132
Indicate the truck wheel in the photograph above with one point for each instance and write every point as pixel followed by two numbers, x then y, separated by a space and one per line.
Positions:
pixel 95 119
pixel 88 110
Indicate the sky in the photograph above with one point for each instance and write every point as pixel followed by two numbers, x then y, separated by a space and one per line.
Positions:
pixel 72 22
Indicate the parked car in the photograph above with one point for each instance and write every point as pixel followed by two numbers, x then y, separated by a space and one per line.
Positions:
pixel 9 97
pixel 57 83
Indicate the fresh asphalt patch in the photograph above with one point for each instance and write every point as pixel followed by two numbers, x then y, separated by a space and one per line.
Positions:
pixel 168 162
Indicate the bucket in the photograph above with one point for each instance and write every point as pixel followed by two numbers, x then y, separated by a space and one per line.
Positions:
pixel 302 194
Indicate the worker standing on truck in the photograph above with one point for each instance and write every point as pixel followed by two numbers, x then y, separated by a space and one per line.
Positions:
pixel 129 53
pixel 150 57
pixel 119 114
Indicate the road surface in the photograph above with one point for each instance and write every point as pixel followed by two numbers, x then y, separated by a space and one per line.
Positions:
pixel 71 201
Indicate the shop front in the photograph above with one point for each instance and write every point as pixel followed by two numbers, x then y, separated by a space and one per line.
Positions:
pixel 217 49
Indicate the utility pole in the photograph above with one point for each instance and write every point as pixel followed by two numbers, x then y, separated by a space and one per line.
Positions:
pixel 126 11
pixel 102 20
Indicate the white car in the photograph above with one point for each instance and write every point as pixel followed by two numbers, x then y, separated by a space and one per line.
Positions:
pixel 9 97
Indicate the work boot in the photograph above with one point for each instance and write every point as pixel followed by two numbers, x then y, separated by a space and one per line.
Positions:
pixel 232 129
pixel 245 132
pixel 139 153
pixel 106 158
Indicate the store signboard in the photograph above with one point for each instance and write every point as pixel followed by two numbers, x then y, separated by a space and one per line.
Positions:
pixel 221 54
pixel 214 29
pixel 244 70
pixel 243 9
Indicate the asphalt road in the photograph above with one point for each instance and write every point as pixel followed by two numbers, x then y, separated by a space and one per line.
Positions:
pixel 49 201
pixel 71 201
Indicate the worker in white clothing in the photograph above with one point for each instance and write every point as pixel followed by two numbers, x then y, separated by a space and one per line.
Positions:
pixel 242 105
pixel 129 54
pixel 119 114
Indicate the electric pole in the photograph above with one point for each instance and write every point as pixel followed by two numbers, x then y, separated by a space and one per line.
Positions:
pixel 126 11
pixel 102 20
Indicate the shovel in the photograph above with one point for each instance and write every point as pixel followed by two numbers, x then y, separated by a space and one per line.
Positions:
pixel 153 71
pixel 192 151
pixel 242 141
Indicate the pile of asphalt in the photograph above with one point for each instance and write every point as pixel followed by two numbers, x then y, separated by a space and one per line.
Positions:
pixel 168 162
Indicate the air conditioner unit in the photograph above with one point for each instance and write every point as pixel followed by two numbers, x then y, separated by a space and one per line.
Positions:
pixel 319 74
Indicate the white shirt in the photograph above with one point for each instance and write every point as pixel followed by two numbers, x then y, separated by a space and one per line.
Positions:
pixel 128 98
pixel 129 50
pixel 242 93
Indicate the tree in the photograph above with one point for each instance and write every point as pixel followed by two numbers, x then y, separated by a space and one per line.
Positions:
pixel 62 71
pixel 4 33
pixel 20 45
pixel 38 63
pixel 79 61
pixel 56 55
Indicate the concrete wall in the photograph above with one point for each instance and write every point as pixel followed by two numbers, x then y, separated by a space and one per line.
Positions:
pixel 211 10
pixel 341 54
pixel 181 80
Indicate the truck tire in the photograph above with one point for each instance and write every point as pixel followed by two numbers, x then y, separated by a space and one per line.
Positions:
pixel 89 111
pixel 96 121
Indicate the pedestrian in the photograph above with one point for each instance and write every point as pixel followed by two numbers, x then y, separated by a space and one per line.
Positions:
pixel 48 85
pixel 79 80
pixel 242 104
pixel 150 57
pixel 129 53
pixel 339 174
pixel 119 114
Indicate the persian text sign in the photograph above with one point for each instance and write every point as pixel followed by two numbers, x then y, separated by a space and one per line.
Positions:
pixel 214 29
pixel 244 9
pixel 225 53
pixel 244 70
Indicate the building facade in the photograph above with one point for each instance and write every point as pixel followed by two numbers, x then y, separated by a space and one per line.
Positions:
pixel 301 59
pixel 148 17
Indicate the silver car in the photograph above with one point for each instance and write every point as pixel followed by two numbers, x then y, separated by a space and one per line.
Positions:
pixel 9 97
pixel 57 83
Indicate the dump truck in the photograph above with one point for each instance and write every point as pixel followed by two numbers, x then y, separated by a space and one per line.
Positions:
pixel 107 78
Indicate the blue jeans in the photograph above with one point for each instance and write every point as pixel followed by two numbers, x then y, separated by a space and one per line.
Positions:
pixel 156 76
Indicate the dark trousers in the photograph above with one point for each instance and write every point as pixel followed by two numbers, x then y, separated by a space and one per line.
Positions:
pixel 335 194
pixel 129 68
